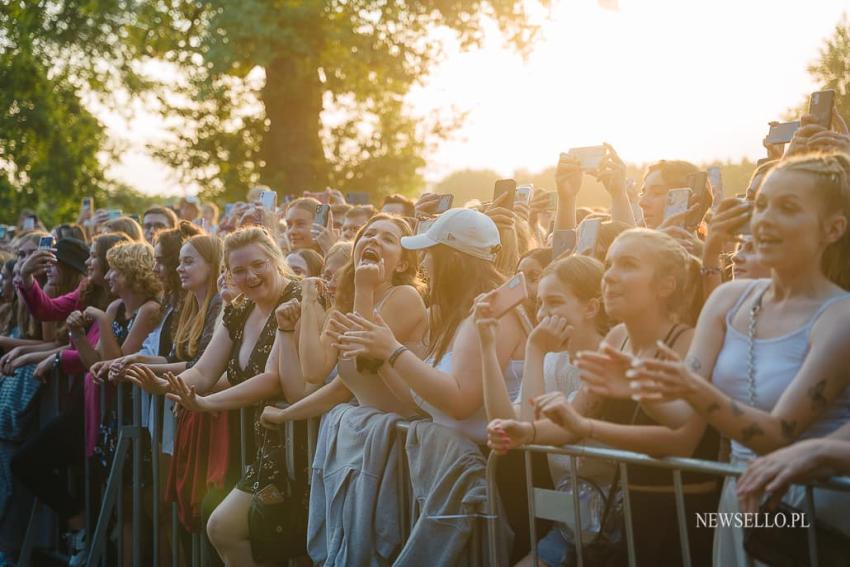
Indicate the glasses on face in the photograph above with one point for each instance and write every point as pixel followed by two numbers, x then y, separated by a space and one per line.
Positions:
pixel 257 268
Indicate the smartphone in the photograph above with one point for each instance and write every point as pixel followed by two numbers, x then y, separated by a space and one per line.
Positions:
pixel 701 195
pixel 46 243
pixel 228 209
pixel 508 295
pixel 588 233
pixel 563 241
pixel 677 201
pixel 716 180
pixel 357 198
pixel 320 196
pixel 444 204
pixel 87 203
pixel 2 232
pixel 423 225
pixel 268 200
pixel 782 132
pixel 192 199
pixel 113 214
pixel 744 229
pixel 29 223
pixel 523 194
pixel 503 186
pixel 820 106
pixel 322 213
pixel 590 157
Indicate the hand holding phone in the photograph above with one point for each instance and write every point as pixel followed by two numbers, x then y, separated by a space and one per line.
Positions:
pixel 700 200
pixel 322 215
pixel 523 194
pixel 46 243
pixel 502 187
pixel 507 296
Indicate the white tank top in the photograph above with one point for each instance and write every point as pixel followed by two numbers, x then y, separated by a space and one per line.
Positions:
pixel 778 360
pixel 473 427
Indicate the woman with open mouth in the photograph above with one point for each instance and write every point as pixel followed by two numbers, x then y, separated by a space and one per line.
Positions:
pixel 380 282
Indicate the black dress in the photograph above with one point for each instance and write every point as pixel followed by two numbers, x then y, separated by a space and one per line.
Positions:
pixel 266 446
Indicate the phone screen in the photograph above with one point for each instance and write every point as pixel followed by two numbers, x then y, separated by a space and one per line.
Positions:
pixel 588 233
pixel 505 186
pixel 781 133
pixel 563 241
pixel 820 107
pixel 590 157
pixel 701 195
pixel 445 203
pixel 321 217
pixel 45 243
pixel 268 199
pixel 29 223
pixel 677 201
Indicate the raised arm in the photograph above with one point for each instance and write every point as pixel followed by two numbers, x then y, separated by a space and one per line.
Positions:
pixel 315 353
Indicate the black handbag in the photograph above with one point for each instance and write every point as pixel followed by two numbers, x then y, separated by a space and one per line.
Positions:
pixel 277 518
pixel 789 546
pixel 608 547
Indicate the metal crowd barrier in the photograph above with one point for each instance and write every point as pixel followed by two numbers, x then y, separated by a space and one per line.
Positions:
pixel 542 498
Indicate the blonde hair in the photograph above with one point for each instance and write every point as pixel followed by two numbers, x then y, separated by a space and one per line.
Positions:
pixel 582 275
pixel 342 247
pixel 669 258
pixel 135 260
pixel 127 226
pixel 260 236
pixel 832 184
pixel 190 327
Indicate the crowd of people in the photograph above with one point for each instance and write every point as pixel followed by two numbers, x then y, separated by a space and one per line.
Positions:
pixel 714 331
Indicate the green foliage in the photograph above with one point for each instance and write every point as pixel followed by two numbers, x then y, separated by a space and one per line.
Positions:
pixel 832 70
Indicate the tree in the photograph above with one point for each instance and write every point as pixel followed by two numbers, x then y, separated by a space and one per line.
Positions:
pixel 300 95
pixel 832 69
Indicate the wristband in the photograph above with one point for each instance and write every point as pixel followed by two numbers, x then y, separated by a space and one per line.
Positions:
pixel 533 432
pixel 57 359
pixel 394 356
pixel 708 271
pixel 279 330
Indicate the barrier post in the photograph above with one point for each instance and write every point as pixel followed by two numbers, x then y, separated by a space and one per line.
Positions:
pixel 137 476
pixel 576 511
pixel 490 508
pixel 812 531
pixel 532 513
pixel 119 401
pixel 156 438
pixel 627 513
pixel 681 517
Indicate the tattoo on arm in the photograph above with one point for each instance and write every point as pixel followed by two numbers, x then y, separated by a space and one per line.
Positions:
pixel 693 363
pixel 788 429
pixel 751 431
pixel 819 401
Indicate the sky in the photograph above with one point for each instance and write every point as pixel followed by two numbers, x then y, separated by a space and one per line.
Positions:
pixel 657 79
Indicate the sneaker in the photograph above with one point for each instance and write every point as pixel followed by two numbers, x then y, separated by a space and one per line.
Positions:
pixel 76 548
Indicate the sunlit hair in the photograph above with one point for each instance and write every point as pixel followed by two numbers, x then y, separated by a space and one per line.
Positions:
pixel 135 261
pixel 542 256
pixel 669 258
pixel 261 237
pixel 307 204
pixel 164 211
pixel 96 295
pixel 190 327
pixel 831 174
pixel 456 280
pixel 126 225
pixel 344 300
pixel 582 276
pixel 341 247
pixel 170 240
pixel 674 172
pixel 608 233
pixel 313 259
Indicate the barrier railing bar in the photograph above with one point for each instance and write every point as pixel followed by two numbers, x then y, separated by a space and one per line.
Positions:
pixel 156 442
pixel 175 537
pixel 812 531
pixel 490 507
pixel 577 532
pixel 119 508
pixel 137 476
pixel 29 536
pixel 841 483
pixel 196 549
pixel 532 511
pixel 627 513
pixel 681 518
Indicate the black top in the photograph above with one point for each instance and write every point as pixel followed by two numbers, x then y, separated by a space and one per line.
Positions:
pixel 235 317
pixel 629 412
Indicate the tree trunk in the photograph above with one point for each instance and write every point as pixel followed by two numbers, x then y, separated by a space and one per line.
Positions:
pixel 292 147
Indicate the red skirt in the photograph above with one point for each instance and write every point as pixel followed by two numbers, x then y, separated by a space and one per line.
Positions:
pixel 200 461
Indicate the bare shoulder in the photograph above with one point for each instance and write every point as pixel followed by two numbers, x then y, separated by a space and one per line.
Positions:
pixel 616 336
pixel 404 296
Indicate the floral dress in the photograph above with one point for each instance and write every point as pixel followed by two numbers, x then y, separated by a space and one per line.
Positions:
pixel 266 446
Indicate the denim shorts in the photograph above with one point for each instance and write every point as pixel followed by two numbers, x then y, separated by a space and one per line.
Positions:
pixel 553 549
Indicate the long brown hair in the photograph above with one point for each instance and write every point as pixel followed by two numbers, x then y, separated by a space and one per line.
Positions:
pixel 192 316
pixel 582 275
pixel 456 280
pixel 344 300
pixel 97 295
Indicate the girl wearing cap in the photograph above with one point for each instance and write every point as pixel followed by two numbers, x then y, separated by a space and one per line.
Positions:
pixel 379 282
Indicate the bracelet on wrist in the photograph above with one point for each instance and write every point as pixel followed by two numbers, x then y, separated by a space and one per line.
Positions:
pixel 710 271
pixel 279 330
pixel 533 432
pixel 394 356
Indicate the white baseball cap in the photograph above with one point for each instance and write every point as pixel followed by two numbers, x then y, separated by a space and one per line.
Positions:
pixel 465 230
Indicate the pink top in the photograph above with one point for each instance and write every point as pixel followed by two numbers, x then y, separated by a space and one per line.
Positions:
pixel 46 308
